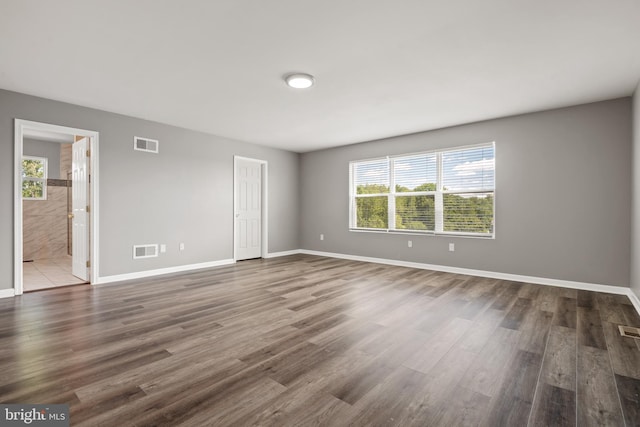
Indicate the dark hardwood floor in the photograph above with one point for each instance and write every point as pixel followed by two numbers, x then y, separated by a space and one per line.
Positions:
pixel 305 340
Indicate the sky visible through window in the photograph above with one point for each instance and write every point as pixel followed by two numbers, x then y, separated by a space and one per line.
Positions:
pixel 468 169
pixel 375 172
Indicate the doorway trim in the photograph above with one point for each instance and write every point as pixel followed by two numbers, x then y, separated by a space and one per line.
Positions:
pixel 263 207
pixel 20 126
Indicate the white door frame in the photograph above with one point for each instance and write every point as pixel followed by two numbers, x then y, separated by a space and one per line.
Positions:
pixel 263 206
pixel 20 126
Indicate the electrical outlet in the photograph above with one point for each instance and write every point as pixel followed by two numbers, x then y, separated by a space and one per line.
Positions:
pixel 452 247
pixel 182 246
pixel 410 244
pixel 163 248
pixel 322 237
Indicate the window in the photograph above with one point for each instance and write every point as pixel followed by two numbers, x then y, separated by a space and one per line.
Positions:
pixel 440 192
pixel 34 178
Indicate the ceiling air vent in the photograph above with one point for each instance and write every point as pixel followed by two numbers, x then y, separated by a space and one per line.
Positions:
pixel 145 251
pixel 145 144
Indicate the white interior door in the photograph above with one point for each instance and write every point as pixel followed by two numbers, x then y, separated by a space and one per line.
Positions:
pixel 79 203
pixel 248 209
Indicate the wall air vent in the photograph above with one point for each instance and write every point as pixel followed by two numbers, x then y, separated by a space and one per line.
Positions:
pixel 145 144
pixel 145 251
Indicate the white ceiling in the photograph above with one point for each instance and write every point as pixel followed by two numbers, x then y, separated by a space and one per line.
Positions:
pixel 43 135
pixel 382 68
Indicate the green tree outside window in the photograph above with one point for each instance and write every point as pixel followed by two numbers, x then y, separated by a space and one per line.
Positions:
pixel 34 178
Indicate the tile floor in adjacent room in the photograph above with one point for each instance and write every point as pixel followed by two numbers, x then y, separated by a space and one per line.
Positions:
pixel 48 273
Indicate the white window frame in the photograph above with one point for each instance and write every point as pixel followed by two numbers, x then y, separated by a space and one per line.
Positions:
pixel 45 162
pixel 438 196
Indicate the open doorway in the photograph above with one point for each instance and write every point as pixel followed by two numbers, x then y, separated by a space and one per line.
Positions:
pixel 55 227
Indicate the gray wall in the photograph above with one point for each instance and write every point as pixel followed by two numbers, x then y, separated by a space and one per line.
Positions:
pixel 563 209
pixel 635 233
pixel 563 180
pixel 184 194
pixel 50 150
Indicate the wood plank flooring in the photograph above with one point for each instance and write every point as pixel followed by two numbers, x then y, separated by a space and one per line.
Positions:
pixel 306 340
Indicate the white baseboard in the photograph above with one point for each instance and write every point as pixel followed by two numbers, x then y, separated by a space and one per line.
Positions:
pixel 157 272
pixel 6 293
pixel 283 253
pixel 634 300
pixel 620 290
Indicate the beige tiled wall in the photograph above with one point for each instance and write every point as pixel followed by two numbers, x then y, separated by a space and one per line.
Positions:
pixel 45 225
pixel 65 160
pixel 45 221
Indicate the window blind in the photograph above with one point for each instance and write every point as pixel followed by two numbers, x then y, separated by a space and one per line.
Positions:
pixel 449 191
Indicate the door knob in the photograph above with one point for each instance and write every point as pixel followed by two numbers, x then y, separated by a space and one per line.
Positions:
pixel 70 216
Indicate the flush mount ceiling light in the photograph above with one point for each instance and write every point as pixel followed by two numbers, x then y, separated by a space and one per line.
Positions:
pixel 299 80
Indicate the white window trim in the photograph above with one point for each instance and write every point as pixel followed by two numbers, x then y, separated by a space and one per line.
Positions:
pixel 438 199
pixel 45 162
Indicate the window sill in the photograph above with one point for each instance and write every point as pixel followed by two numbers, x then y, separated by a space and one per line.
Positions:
pixel 425 233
